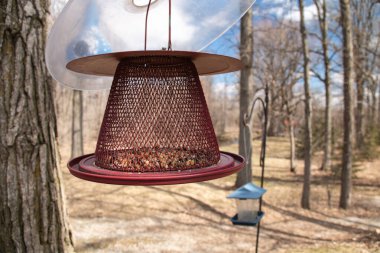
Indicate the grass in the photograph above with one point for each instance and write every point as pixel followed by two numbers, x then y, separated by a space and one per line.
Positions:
pixel 195 217
pixel 348 248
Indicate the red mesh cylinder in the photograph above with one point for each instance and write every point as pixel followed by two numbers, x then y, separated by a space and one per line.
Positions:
pixel 156 118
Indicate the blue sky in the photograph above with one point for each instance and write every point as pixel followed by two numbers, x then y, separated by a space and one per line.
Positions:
pixel 272 10
pixel 264 10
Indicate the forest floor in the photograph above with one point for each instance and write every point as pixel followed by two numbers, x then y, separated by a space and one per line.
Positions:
pixel 195 217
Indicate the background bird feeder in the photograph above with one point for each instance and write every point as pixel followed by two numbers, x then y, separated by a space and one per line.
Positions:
pixel 156 128
pixel 248 204
pixel 249 196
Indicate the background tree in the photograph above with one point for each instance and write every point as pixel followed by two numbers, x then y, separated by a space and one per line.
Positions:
pixel 348 65
pixel 246 55
pixel 362 29
pixel 321 7
pixel 32 209
pixel 277 50
pixel 77 124
pixel 305 200
pixel 365 19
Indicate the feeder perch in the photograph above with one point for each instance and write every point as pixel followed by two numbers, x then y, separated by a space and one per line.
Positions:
pixel 248 202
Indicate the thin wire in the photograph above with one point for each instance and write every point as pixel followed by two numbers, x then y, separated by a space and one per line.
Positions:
pixel 170 26
pixel 262 158
pixel 146 24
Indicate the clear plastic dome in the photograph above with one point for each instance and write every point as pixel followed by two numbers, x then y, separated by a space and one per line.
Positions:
pixel 91 27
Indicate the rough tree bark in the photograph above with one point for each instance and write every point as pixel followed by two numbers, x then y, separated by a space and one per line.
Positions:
pixel 287 96
pixel 32 208
pixel 323 25
pixel 246 51
pixel 305 200
pixel 348 67
pixel 373 107
pixel 359 111
pixel 77 124
pixel 378 106
pixel 292 147
pixel 292 141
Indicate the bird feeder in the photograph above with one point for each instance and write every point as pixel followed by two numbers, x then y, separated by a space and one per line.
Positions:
pixel 248 205
pixel 156 128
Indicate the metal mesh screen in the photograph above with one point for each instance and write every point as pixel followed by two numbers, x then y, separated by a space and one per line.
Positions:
pixel 156 118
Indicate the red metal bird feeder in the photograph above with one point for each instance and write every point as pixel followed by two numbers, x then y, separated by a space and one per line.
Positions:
pixel 156 128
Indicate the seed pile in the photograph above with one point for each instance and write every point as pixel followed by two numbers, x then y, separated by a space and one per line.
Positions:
pixel 158 159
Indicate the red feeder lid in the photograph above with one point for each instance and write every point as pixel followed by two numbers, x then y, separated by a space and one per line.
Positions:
pixel 106 64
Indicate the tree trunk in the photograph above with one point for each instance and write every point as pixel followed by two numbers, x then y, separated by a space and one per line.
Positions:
pixel 378 106
pixel 346 183
pixel 290 128
pixel 365 49
pixel 246 51
pixel 222 129
pixel 326 60
pixel 305 200
pixel 359 112
pixel 369 112
pixel 77 124
pixel 32 209
pixel 372 105
pixel 292 148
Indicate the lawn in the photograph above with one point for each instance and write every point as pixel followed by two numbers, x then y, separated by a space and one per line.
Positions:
pixel 195 217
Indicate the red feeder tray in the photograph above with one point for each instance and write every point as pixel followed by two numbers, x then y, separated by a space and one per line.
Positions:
pixel 84 168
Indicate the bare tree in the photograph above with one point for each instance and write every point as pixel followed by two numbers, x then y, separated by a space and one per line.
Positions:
pixel 366 46
pixel 365 49
pixel 348 65
pixel 305 200
pixel 77 124
pixel 277 49
pixel 321 6
pixel 246 52
pixel 32 210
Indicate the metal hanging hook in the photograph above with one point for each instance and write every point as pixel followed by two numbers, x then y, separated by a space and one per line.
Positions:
pixel 170 25
pixel 247 118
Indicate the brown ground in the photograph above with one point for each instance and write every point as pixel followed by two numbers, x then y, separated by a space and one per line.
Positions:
pixel 195 217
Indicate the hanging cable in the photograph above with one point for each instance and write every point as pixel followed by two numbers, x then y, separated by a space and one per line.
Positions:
pixel 170 26
pixel 146 24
